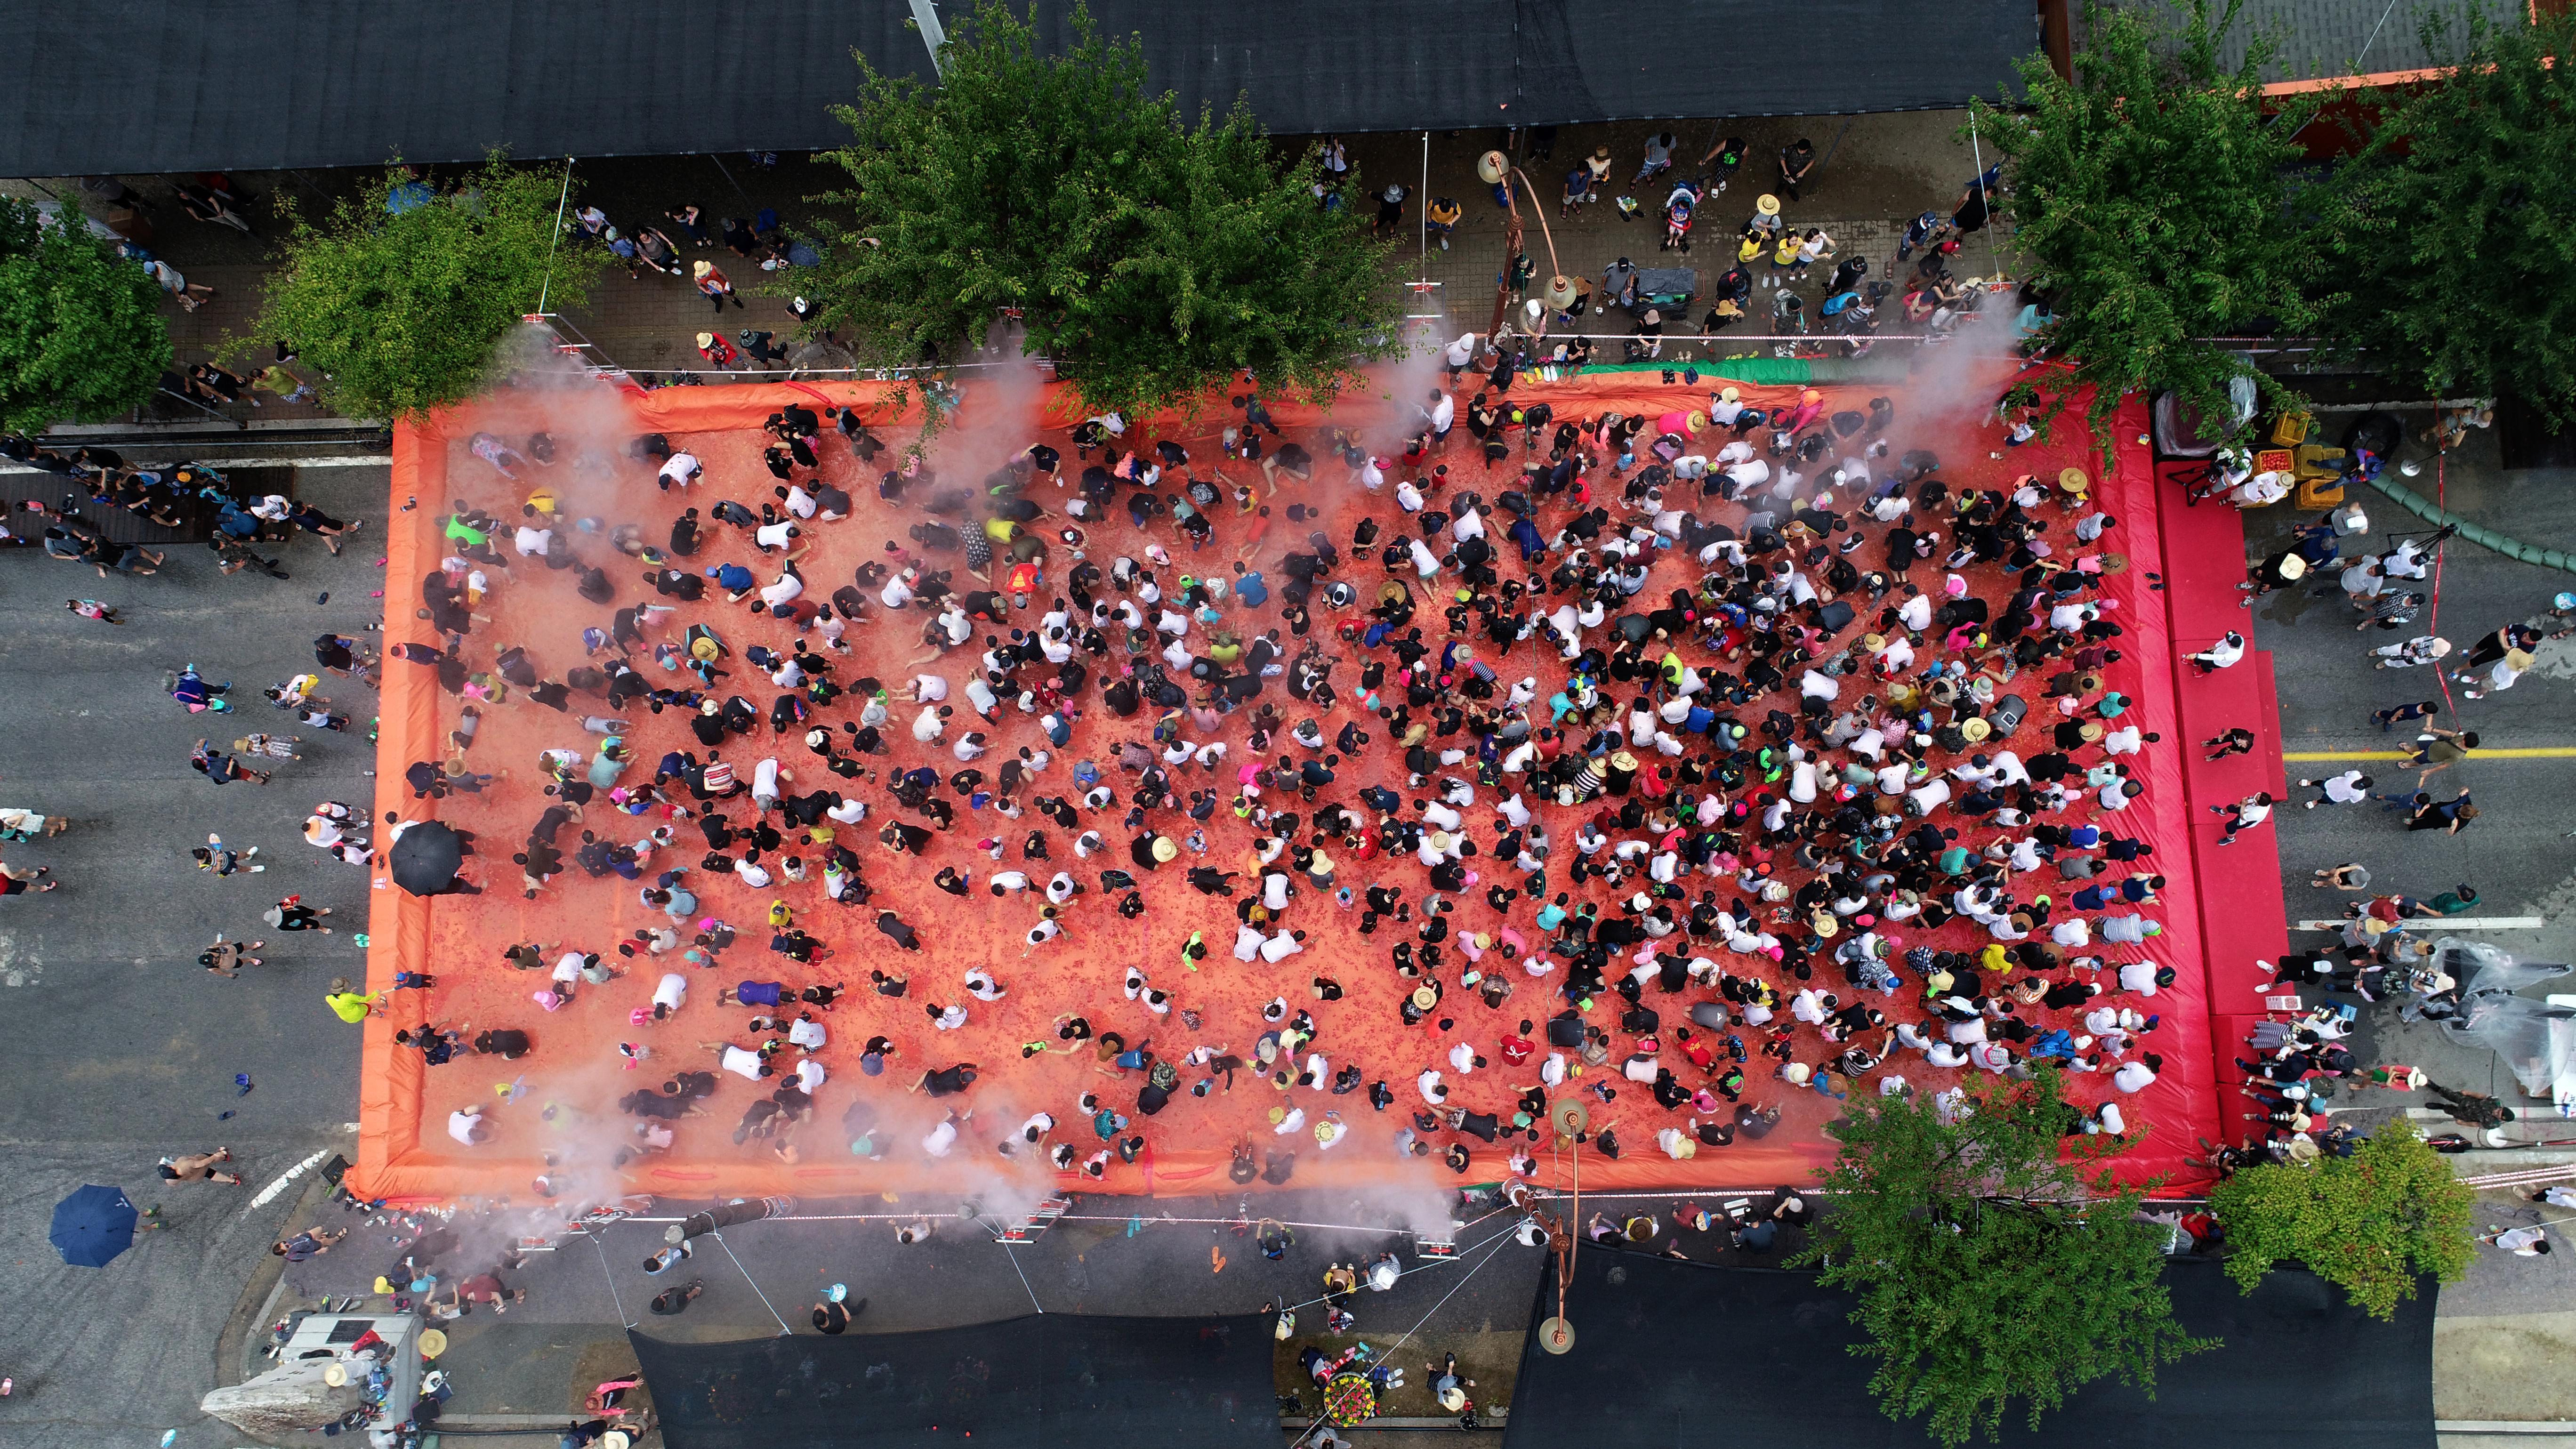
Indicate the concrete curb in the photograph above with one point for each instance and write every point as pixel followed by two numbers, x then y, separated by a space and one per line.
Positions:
pixel 235 1346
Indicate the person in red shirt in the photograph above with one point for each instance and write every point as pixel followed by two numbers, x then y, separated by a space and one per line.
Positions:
pixel 1517 1047
pixel 1549 746
pixel 1695 1049
pixel 713 284
pixel 713 347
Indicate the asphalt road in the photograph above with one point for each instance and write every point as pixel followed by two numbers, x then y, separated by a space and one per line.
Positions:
pixel 119 1048
pixel 2518 852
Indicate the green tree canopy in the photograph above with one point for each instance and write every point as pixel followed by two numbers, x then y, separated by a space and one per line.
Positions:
pixel 2152 197
pixel 81 338
pixel 1988 1269
pixel 2370 1223
pixel 401 311
pixel 1148 257
pixel 2461 220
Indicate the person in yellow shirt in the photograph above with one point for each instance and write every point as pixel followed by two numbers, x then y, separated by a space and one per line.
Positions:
pixel 349 1005
pixel 1442 215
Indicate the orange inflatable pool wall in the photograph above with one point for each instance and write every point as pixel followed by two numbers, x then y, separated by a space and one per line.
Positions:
pixel 555 1110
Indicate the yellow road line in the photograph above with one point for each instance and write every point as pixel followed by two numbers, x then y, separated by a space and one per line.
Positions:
pixel 2554 752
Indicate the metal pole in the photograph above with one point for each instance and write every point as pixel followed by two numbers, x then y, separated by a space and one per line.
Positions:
pixel 1994 249
pixel 1573 1223
pixel 1540 208
pixel 728 174
pixel 557 239
pixel 926 17
pixel 1425 202
pixel 1838 145
pixel 1511 249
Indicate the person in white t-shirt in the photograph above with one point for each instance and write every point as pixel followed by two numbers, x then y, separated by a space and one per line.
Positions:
pixel 941 1140
pixel 2244 814
pixel 2349 788
pixel 1459 355
pixel 747 1064
pixel 2227 651
pixel 1443 414
pixel 668 994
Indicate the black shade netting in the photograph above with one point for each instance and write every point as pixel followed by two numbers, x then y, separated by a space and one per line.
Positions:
pixel 436 82
pixel 1683 1354
pixel 1041 1382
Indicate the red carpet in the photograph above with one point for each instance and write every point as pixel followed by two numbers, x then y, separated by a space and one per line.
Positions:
pixel 562 1110
pixel 2243 918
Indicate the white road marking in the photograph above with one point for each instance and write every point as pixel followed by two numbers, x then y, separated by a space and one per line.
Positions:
pixel 19 968
pixel 269 1193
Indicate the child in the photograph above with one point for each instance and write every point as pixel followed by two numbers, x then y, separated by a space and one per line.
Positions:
pixel 216 857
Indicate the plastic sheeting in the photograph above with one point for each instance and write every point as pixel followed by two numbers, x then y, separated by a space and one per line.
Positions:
pixel 2536 1039
pixel 2216 920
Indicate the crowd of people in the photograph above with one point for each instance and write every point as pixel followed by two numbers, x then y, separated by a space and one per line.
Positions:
pixel 1805 752
pixel 1768 254
pixel 1750 752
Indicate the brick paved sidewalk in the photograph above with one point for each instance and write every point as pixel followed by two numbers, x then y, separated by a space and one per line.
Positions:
pixel 1877 171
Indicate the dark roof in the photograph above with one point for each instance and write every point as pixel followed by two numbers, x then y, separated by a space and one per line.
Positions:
pixel 148 86
pixel 2329 39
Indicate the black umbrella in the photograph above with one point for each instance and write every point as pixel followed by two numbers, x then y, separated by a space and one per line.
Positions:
pixel 425 858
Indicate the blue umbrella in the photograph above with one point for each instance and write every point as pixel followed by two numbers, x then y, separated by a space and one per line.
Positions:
pixel 410 196
pixel 93 1225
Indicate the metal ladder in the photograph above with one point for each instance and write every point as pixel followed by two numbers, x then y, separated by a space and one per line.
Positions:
pixel 1034 1226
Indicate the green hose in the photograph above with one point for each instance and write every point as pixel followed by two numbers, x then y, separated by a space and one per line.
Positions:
pixel 2479 534
pixel 1876 370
